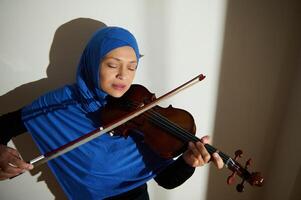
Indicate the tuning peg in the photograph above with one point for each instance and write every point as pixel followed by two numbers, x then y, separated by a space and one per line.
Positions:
pixel 248 163
pixel 238 154
pixel 231 178
pixel 240 187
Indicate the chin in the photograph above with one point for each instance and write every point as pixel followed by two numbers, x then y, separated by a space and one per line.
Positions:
pixel 117 94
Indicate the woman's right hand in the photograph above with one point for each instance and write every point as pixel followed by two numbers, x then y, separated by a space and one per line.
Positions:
pixel 11 163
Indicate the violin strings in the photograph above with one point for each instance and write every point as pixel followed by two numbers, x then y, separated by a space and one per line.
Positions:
pixel 185 135
pixel 179 131
pixel 173 128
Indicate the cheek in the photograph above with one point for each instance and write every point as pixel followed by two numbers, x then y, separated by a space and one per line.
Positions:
pixel 101 84
pixel 103 80
pixel 132 76
pixel 104 75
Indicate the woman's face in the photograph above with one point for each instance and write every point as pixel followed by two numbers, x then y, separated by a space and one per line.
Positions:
pixel 117 71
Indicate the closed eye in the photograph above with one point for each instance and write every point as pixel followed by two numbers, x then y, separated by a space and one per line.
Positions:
pixel 132 68
pixel 112 65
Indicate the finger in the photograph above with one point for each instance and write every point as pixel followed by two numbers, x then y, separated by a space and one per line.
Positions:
pixel 194 162
pixel 18 163
pixel 205 139
pixel 10 169
pixel 189 158
pixel 217 160
pixel 195 150
pixel 203 152
pixel 13 152
pixel 5 175
pixel 193 154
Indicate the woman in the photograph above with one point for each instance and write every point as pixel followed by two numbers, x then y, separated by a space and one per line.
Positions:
pixel 108 167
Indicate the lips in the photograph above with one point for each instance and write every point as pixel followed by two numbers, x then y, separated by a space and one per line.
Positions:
pixel 119 86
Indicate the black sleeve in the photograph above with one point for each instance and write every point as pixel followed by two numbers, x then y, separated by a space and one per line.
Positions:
pixel 11 125
pixel 175 174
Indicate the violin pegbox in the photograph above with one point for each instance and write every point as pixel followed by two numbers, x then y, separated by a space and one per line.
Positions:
pixel 240 187
pixel 231 178
pixel 254 178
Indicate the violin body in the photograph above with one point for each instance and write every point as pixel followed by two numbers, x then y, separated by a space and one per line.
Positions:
pixel 160 140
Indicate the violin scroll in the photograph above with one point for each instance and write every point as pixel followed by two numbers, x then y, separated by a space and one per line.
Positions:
pixel 254 179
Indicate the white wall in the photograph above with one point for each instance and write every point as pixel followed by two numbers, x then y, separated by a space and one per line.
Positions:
pixel 179 40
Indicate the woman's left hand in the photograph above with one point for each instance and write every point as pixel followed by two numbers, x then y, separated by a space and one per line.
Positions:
pixel 196 155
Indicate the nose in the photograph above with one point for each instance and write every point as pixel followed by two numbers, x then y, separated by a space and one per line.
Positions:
pixel 122 73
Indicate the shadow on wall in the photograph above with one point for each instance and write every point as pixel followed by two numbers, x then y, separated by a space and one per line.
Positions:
pixel 260 57
pixel 67 46
pixel 296 192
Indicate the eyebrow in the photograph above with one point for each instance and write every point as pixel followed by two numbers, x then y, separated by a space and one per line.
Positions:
pixel 133 61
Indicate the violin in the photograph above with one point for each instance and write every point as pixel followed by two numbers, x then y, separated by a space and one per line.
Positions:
pixel 166 131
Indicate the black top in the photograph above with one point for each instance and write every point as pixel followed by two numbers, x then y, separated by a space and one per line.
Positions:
pixel 11 125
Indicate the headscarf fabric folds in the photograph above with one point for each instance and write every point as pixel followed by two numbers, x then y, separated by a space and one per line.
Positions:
pixel 107 165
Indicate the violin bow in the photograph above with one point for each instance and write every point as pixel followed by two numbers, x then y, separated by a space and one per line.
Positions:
pixel 232 164
pixel 109 127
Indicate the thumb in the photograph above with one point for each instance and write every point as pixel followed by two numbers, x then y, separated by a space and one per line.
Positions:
pixel 205 139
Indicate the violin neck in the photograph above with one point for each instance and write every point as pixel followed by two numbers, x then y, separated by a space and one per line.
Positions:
pixel 211 149
pixel 228 161
pixel 186 136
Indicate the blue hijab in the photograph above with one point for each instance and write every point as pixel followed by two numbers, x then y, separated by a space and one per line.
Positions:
pixel 107 165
